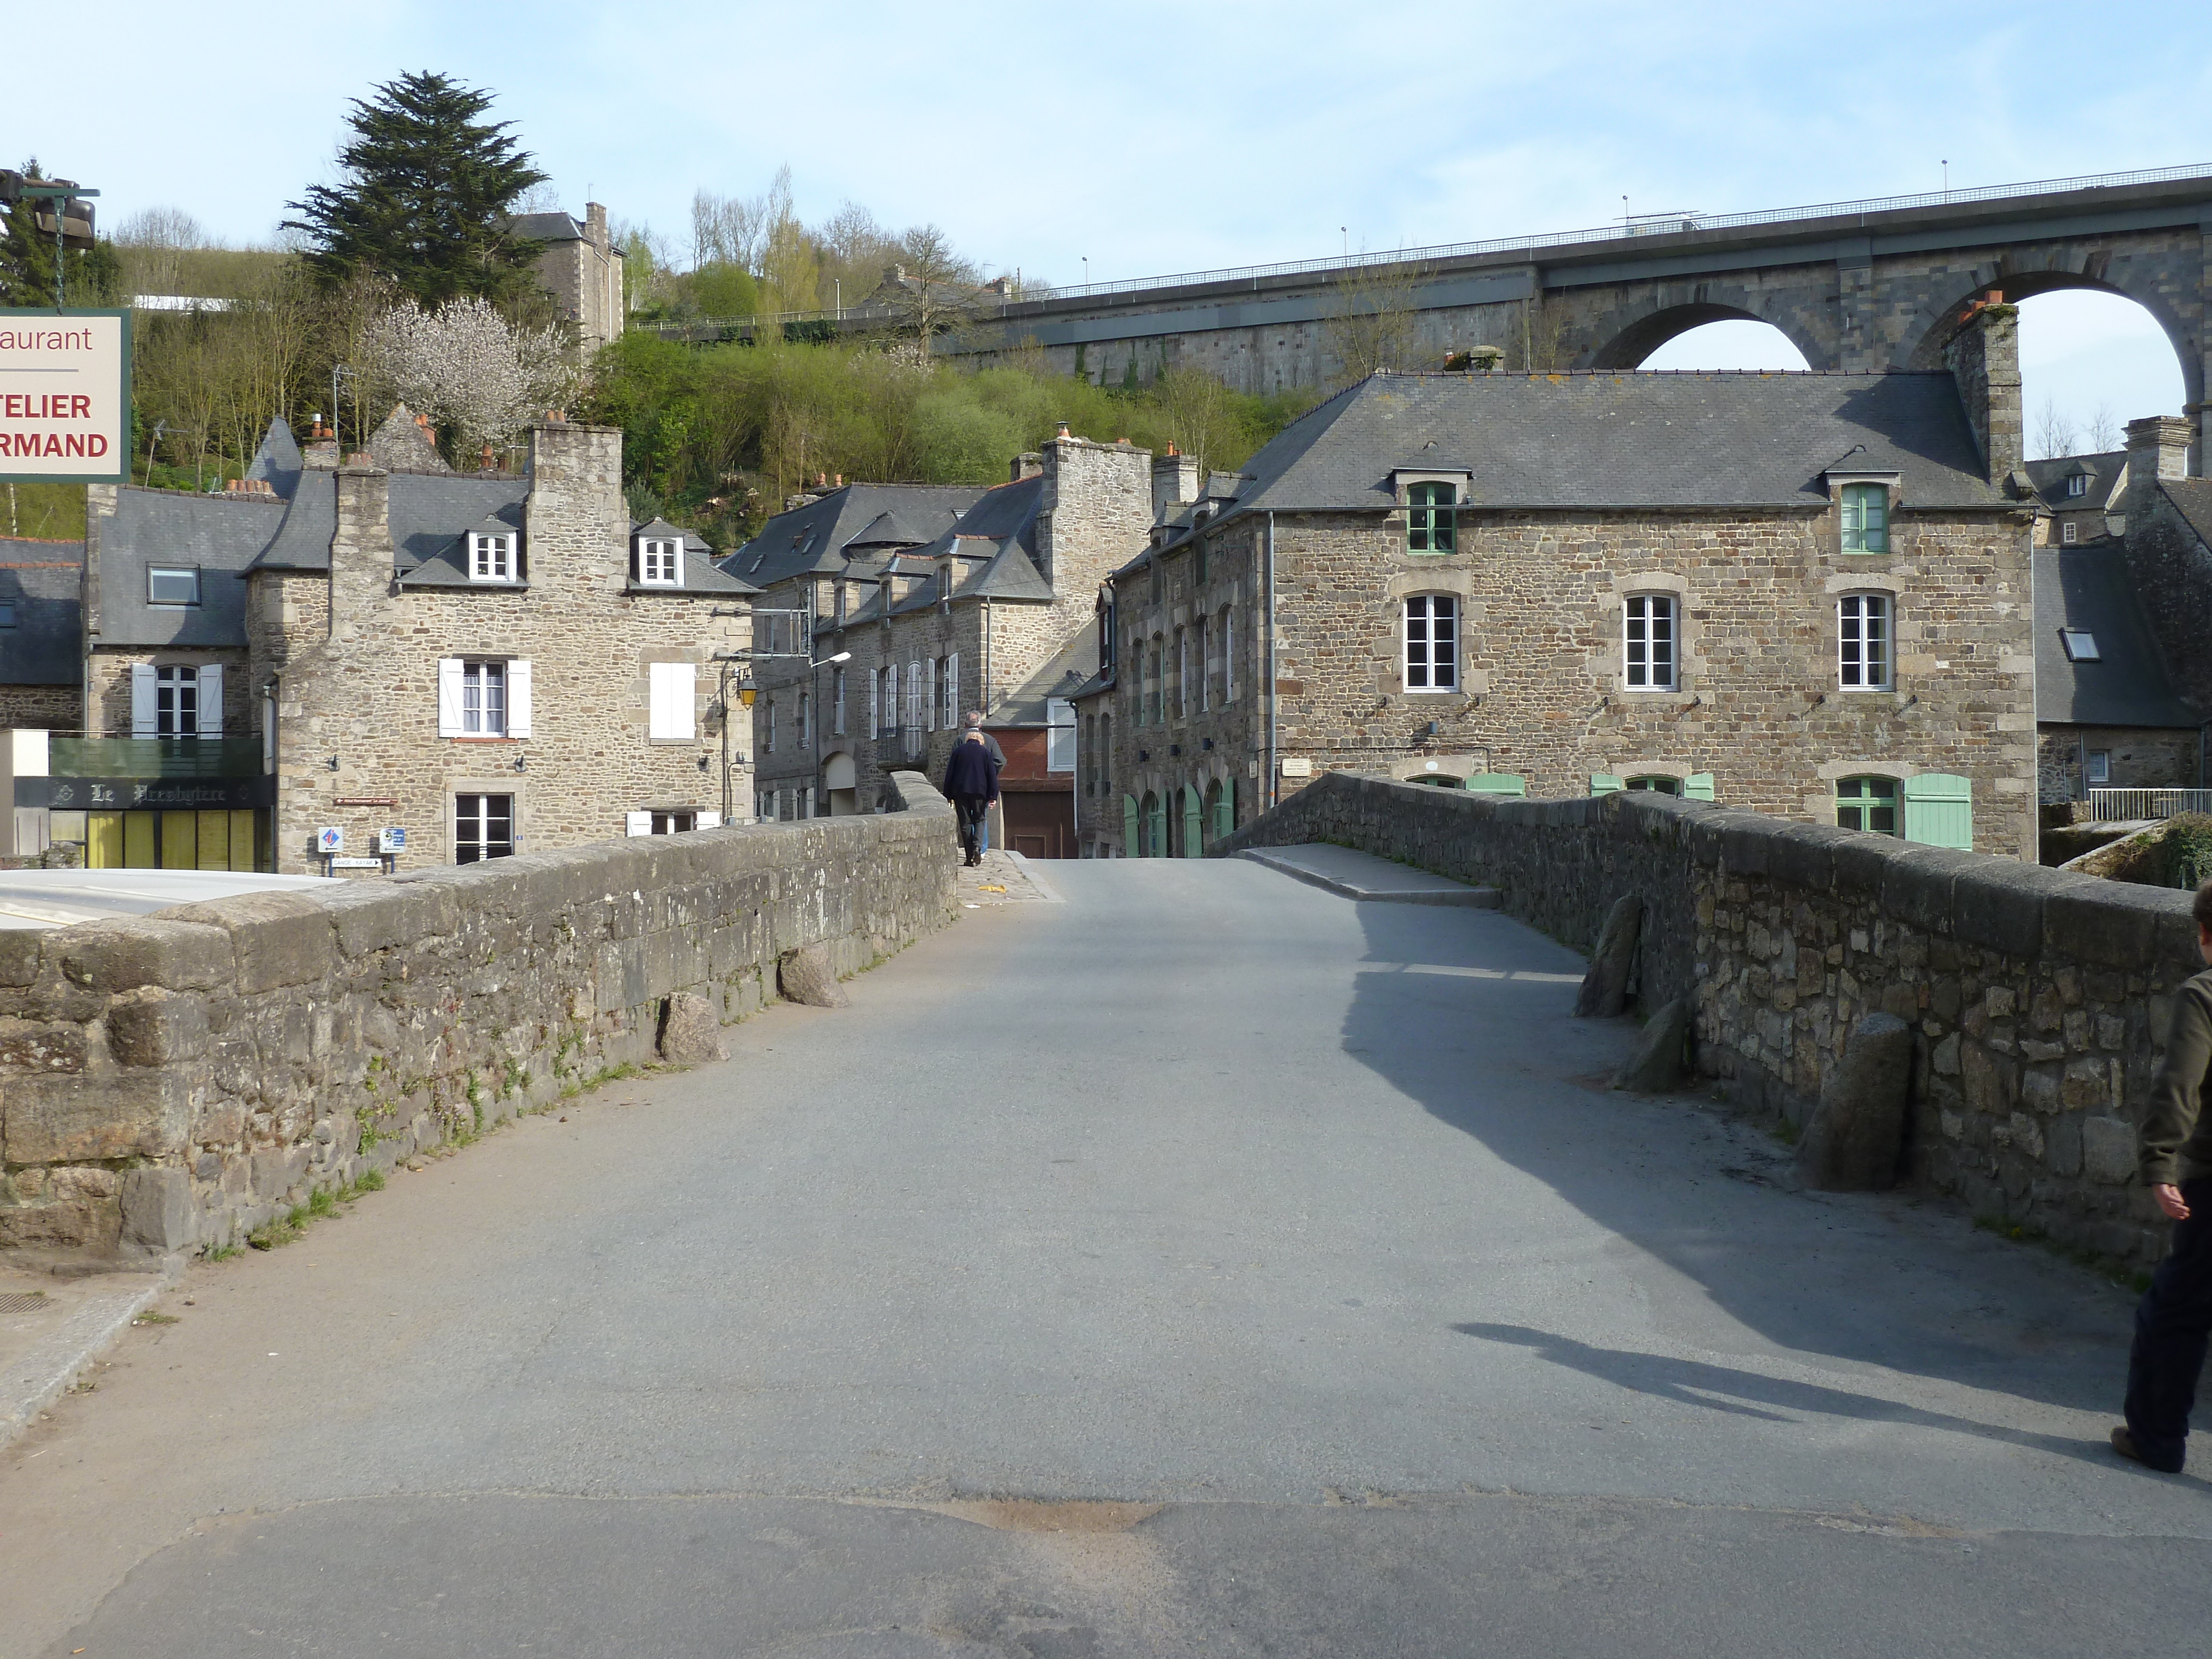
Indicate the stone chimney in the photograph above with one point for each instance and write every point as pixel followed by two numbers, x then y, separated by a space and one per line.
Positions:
pixel 1097 516
pixel 1175 481
pixel 1026 466
pixel 575 526
pixel 1984 358
pixel 2158 448
pixel 595 226
pixel 362 556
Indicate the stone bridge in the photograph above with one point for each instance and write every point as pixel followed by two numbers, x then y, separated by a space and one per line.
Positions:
pixel 1189 1261
pixel 1861 285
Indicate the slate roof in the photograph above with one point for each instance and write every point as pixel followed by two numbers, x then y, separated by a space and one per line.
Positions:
pixel 42 581
pixel 1631 438
pixel 2105 470
pixel 2192 499
pixel 220 535
pixel 2089 589
pixel 545 227
pixel 402 444
pixel 433 514
pixel 302 541
pixel 277 463
pixel 813 538
pixel 1067 671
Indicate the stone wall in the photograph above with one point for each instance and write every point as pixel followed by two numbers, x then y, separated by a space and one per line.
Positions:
pixel 2142 758
pixel 178 1079
pixel 2038 997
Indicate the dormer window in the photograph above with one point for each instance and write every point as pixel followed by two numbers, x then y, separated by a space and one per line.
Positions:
pixel 491 558
pixel 1866 518
pixel 2078 483
pixel 1429 517
pixel 660 563
pixel 945 583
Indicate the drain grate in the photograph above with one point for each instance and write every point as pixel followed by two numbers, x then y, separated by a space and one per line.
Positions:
pixel 15 1302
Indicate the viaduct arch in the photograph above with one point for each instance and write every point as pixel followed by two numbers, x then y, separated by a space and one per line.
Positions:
pixel 1859 285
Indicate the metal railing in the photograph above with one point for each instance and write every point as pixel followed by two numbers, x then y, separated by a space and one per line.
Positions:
pixel 89 755
pixel 2128 805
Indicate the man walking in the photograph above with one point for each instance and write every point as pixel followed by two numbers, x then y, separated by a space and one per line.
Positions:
pixel 2174 1154
pixel 971 783
pixel 997 765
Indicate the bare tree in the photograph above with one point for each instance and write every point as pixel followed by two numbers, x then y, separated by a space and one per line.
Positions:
pixel 2105 434
pixel 931 288
pixel 1373 325
pixel 2054 431
pixel 1196 403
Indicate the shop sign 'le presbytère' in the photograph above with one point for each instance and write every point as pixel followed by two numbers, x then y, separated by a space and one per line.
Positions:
pixel 64 396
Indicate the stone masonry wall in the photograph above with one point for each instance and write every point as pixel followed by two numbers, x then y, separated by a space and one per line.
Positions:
pixel 178 1079
pixel 2038 998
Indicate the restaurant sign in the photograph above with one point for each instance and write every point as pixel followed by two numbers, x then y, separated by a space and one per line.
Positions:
pixel 64 396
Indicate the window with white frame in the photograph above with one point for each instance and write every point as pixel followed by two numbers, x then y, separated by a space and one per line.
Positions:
pixel 916 700
pixel 491 558
pixel 767 725
pixel 1159 683
pixel 2069 532
pixel 1227 654
pixel 2099 766
pixel 837 702
pixel 483 698
pixel 1209 652
pixel 672 701
pixel 890 723
pixel 805 719
pixel 952 692
pixel 176 703
pixel 484 828
pixel 660 563
pixel 1060 735
pixel 1431 642
pixel 172 585
pixel 1648 643
pixel 1182 673
pixel 2078 483
pixel 1865 632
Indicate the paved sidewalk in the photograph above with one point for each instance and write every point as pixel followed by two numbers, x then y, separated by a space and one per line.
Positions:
pixel 1006 878
pixel 1356 875
pixel 52 1329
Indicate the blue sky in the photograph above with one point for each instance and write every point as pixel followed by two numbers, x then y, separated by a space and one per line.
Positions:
pixel 1151 138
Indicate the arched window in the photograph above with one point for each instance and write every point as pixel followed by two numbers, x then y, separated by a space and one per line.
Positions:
pixel 1649 630
pixel 1869 804
pixel 1865 633
pixel 1431 642
pixel 1657 784
pixel 1429 518
pixel 1866 518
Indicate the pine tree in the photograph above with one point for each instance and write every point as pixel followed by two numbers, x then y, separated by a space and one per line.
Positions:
pixel 428 196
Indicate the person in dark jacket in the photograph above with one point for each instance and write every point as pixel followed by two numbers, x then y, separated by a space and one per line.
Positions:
pixel 2175 1157
pixel 997 765
pixel 972 784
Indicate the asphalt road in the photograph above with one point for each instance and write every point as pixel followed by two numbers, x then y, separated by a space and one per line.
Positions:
pixel 1206 1265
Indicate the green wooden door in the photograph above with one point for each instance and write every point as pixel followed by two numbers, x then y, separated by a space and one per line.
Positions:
pixel 1132 847
pixel 1193 822
pixel 1225 810
pixel 1939 811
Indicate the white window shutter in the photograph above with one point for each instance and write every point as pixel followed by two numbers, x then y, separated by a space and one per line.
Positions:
pixel 449 696
pixel 517 697
pixel 672 688
pixel 210 711
pixel 144 722
pixel 710 820
pixel 952 711
pixel 637 823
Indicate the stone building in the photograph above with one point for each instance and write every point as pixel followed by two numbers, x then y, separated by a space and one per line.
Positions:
pixel 41 623
pixel 365 667
pixel 1805 593
pixel 2078 497
pixel 2106 714
pixel 994 611
pixel 581 268
pixel 841 536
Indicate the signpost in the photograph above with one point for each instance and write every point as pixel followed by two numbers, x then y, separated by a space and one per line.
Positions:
pixel 65 397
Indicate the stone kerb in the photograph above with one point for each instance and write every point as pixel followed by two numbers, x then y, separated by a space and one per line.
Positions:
pixel 178 1078
pixel 2037 1000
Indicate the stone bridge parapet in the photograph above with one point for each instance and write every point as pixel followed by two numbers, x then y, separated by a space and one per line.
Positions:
pixel 178 1079
pixel 2038 999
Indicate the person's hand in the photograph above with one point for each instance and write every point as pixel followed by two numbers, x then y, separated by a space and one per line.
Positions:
pixel 2171 1200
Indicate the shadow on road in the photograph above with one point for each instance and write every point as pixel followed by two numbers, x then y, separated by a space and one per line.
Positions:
pixel 1748 1394
pixel 1867 1279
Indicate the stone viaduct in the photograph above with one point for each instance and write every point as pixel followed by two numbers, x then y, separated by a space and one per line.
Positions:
pixel 1855 285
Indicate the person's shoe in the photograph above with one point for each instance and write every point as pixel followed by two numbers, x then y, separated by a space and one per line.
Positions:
pixel 2124 1443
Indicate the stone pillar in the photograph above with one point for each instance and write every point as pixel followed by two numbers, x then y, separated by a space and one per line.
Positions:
pixel 1175 481
pixel 1857 348
pixel 2158 448
pixel 1984 356
pixel 574 521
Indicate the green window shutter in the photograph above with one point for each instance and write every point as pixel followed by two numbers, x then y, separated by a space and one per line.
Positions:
pixel 1225 810
pixel 1603 783
pixel 1498 783
pixel 1698 786
pixel 1130 846
pixel 1193 820
pixel 1854 518
pixel 1939 811
pixel 1877 518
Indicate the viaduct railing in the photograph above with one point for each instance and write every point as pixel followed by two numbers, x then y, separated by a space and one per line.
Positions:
pixel 2037 998
pixel 2127 805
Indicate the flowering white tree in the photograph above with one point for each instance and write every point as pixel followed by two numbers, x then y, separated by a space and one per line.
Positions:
pixel 466 368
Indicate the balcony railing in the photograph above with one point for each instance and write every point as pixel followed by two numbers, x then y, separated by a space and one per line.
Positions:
pixel 77 755
pixel 2128 805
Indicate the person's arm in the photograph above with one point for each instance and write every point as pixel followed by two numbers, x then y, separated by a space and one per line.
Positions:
pixel 2175 1092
